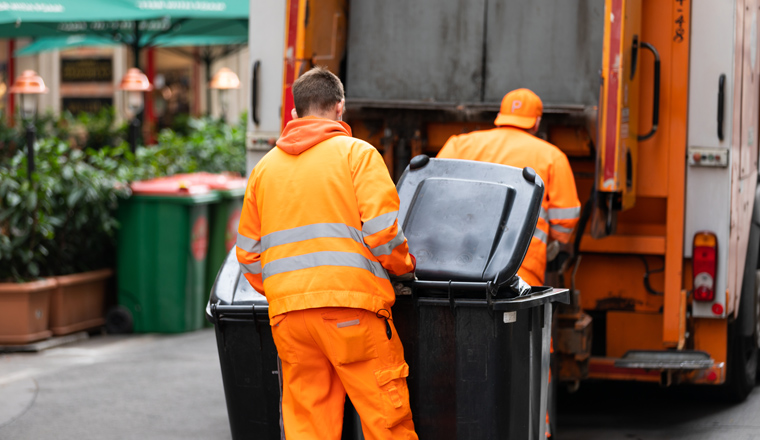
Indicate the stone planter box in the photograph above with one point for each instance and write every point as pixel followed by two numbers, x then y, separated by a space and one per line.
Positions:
pixel 78 301
pixel 24 311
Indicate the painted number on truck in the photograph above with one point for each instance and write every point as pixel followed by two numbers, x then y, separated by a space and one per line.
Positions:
pixel 680 20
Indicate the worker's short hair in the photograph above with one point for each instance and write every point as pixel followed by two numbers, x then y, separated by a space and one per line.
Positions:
pixel 316 91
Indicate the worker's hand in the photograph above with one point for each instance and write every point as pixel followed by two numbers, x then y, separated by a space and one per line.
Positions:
pixel 401 289
pixel 398 283
pixel 398 280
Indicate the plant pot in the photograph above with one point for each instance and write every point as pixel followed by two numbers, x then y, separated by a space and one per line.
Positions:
pixel 78 301
pixel 24 311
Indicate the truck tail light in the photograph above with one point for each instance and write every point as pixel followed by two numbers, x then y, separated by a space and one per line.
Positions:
pixel 704 265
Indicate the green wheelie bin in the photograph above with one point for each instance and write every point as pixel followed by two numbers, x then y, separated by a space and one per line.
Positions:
pixel 161 257
pixel 223 219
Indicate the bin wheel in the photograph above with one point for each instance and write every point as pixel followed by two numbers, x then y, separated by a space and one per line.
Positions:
pixel 119 320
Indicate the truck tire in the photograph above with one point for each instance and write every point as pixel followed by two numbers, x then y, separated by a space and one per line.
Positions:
pixel 743 365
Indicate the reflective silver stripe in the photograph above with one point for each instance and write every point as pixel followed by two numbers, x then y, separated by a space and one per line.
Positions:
pixel 248 244
pixel 541 235
pixel 542 214
pixel 387 248
pixel 562 229
pixel 253 268
pixel 564 213
pixel 326 258
pixel 308 232
pixel 377 224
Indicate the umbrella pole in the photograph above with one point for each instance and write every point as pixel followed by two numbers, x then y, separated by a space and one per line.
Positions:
pixel 133 135
pixel 207 63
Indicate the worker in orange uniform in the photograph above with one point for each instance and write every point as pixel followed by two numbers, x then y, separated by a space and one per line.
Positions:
pixel 318 236
pixel 513 143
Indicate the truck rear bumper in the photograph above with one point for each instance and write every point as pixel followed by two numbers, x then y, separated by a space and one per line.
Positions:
pixel 665 367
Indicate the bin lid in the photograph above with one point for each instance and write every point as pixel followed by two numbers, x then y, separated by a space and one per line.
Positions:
pixel 213 181
pixel 232 288
pixel 467 220
pixel 167 186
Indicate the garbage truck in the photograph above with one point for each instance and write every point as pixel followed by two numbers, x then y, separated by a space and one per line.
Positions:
pixel 655 104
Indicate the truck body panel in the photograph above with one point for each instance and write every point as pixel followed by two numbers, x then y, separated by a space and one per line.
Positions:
pixel 417 72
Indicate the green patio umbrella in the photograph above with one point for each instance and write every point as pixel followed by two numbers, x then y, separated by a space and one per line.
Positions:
pixel 137 23
pixel 44 44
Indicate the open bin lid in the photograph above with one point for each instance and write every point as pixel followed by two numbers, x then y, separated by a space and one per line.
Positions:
pixel 468 221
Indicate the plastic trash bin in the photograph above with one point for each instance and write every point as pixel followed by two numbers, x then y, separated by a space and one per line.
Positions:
pixel 161 257
pixel 248 358
pixel 479 357
pixel 223 219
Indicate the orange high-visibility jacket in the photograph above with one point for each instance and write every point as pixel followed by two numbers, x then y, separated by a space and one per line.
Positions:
pixel 516 147
pixel 319 223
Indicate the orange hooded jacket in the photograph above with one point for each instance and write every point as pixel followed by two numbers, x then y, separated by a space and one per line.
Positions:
pixel 319 222
pixel 516 147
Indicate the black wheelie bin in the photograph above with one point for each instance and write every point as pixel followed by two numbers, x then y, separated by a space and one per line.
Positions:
pixel 248 358
pixel 478 354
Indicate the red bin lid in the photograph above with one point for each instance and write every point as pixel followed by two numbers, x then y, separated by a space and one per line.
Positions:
pixel 214 181
pixel 168 186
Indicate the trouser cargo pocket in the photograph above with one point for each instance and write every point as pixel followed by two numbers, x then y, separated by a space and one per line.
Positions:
pixel 395 393
pixel 350 335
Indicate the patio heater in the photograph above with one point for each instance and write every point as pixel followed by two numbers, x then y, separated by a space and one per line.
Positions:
pixel 224 80
pixel 135 84
pixel 29 85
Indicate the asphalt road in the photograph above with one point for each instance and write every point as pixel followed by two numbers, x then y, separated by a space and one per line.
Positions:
pixel 170 387
pixel 641 411
pixel 116 387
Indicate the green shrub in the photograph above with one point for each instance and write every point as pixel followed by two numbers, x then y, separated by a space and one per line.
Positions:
pixel 64 220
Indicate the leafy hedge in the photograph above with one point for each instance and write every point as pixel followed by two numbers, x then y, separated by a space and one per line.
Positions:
pixel 64 220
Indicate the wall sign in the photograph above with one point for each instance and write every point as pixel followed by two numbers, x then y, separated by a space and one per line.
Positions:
pixel 87 70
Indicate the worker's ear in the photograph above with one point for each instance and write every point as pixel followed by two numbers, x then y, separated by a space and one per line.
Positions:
pixel 534 129
pixel 294 114
pixel 339 109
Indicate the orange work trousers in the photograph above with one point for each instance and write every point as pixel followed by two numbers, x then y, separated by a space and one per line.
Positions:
pixel 328 352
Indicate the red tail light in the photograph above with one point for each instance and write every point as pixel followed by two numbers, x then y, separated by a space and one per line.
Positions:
pixel 704 265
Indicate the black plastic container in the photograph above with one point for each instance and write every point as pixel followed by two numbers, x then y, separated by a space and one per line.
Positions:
pixel 479 357
pixel 248 358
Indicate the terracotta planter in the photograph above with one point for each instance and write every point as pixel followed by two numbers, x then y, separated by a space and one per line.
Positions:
pixel 78 301
pixel 24 311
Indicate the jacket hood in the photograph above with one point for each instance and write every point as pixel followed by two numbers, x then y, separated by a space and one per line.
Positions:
pixel 303 133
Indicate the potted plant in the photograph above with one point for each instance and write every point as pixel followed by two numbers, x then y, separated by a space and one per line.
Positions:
pixel 61 227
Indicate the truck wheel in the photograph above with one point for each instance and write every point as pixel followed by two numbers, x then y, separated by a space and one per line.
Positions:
pixel 743 354
pixel 757 320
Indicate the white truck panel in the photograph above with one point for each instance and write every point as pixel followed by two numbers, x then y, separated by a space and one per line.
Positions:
pixel 266 36
pixel 708 188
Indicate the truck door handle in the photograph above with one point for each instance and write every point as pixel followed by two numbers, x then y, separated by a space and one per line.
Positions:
pixel 721 103
pixel 656 98
pixel 255 92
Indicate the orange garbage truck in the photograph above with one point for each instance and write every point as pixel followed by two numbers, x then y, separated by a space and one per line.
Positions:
pixel 654 102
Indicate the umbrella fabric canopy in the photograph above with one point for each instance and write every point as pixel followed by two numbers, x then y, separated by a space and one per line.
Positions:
pixel 47 11
pixel 123 19
pixel 43 44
